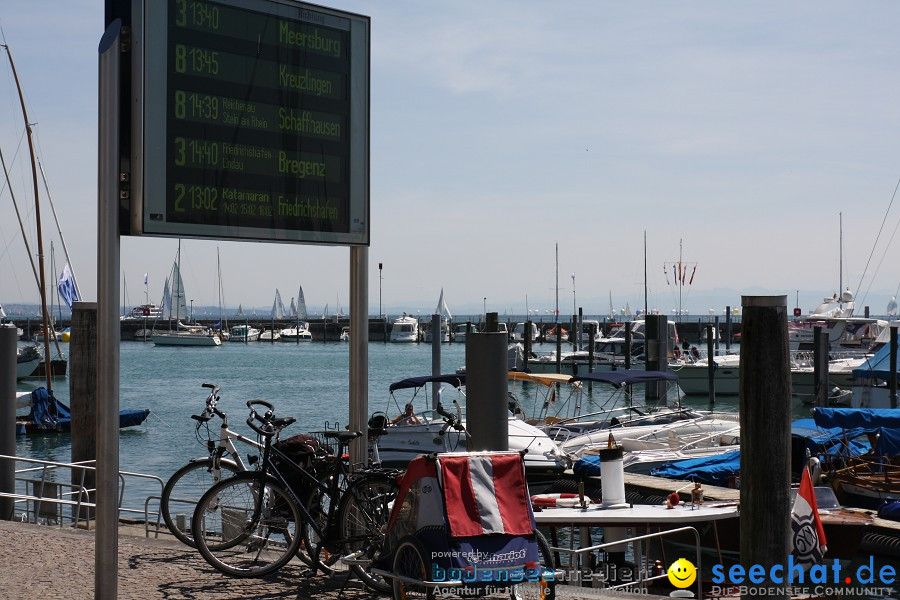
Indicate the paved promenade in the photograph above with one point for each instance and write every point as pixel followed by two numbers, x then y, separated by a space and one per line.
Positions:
pixel 41 562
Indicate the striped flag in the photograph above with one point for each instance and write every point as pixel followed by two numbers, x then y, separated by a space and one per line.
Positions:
pixel 807 534
pixel 486 494
pixel 66 286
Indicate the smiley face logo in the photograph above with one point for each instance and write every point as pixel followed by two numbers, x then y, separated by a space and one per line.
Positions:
pixel 682 573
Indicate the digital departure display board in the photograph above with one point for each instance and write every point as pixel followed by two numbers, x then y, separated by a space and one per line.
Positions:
pixel 254 121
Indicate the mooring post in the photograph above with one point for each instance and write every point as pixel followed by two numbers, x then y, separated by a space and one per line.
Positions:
pixel 765 419
pixel 436 335
pixel 727 329
pixel 7 418
pixel 629 345
pixel 486 386
pixel 656 349
pixel 558 347
pixel 711 365
pixel 83 396
pixel 528 342
pixel 820 366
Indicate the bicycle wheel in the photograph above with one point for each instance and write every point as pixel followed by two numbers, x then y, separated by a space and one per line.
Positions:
pixel 245 527
pixel 546 588
pixel 409 563
pixel 363 514
pixel 183 490
pixel 313 552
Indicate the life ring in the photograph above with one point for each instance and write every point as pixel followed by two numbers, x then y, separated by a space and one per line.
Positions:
pixel 567 500
pixel 677 352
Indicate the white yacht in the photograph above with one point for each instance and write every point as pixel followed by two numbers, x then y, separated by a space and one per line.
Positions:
pixel 345 333
pixel 519 332
pixel 405 329
pixel 187 335
pixel 244 333
pixel 297 334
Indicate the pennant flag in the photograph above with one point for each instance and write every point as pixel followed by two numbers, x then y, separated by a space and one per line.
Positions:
pixel 66 287
pixel 145 279
pixel 807 534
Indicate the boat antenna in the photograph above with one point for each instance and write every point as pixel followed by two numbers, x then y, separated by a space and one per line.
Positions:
pixel 37 218
pixel 557 283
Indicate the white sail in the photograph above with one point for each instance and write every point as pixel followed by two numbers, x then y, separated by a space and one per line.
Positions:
pixel 892 307
pixel 166 301
pixel 278 307
pixel 301 305
pixel 179 304
pixel 240 311
pixel 293 313
pixel 442 307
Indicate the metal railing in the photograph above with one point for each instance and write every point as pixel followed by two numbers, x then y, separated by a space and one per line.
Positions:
pixel 642 571
pixel 39 480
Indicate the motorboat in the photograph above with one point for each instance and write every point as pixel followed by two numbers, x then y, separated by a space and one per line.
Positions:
pixel 405 329
pixel 524 330
pixel 586 337
pixel 244 333
pixel 345 333
pixel 834 317
pixel 551 337
pixel 459 331
pixel 613 347
pixel 543 460
pixel 27 360
pixel 445 331
pixel 300 333
pixel 269 335
pixel 145 311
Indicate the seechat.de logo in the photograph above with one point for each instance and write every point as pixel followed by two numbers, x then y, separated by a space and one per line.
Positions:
pixel 682 573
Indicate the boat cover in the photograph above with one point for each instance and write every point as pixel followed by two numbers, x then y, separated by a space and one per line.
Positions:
pixel 712 470
pixel 624 377
pixel 877 366
pixel 867 418
pixel 454 379
pixel 48 413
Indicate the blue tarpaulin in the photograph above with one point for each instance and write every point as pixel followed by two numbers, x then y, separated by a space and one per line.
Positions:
pixel 857 421
pixel 712 470
pixel 877 367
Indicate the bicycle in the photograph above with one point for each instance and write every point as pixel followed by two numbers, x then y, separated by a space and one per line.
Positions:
pixel 184 488
pixel 254 522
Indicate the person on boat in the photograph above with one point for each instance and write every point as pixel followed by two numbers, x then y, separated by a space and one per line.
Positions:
pixel 408 417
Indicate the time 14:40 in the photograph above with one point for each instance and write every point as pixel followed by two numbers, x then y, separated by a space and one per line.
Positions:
pixel 196 153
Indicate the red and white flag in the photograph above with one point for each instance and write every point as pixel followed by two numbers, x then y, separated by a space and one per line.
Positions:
pixel 807 534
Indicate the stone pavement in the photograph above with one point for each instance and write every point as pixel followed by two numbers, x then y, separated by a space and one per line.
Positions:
pixel 41 562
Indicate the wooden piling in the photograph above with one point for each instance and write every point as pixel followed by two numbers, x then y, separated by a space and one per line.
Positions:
pixel 83 391
pixel 765 419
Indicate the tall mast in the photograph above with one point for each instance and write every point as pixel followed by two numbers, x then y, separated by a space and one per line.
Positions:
pixel 557 283
pixel 37 219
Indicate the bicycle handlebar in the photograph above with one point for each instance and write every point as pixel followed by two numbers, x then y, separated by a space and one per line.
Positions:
pixel 269 423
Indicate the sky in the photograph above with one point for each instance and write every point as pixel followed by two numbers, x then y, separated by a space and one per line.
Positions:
pixel 753 140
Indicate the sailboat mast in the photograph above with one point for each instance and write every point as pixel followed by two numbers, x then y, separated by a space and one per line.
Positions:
pixel 557 283
pixel 37 220
pixel 840 259
pixel 59 229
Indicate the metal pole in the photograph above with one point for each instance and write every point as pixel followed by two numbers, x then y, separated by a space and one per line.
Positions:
pixel 435 358
pixel 106 547
pixel 892 375
pixel 7 417
pixel 359 352
pixel 765 418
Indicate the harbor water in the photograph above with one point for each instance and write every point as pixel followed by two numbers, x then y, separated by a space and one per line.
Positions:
pixel 309 381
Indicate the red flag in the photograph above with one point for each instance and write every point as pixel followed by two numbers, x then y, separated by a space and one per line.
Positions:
pixel 808 536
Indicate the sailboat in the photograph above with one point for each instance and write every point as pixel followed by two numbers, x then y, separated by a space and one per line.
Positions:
pixel 273 335
pixel 300 332
pixel 176 309
pixel 444 312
